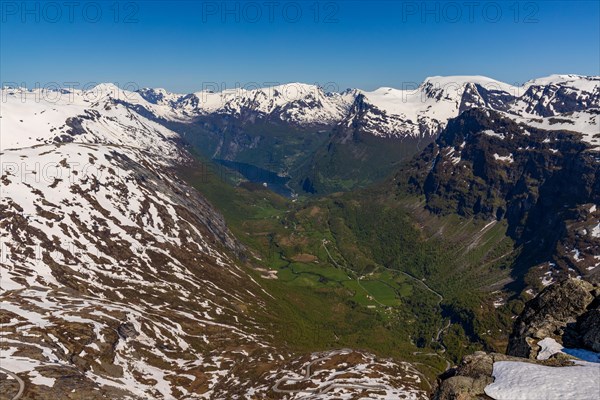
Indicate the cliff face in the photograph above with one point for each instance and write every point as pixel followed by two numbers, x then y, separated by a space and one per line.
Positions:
pixel 544 183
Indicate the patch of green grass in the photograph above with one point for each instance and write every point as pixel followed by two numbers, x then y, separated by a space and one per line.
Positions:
pixel 381 292
pixel 359 294
pixel 322 270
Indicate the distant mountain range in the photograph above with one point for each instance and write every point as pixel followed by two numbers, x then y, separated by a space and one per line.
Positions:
pixel 385 112
pixel 330 141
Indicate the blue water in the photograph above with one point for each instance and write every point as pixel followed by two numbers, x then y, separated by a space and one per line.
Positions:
pixel 275 183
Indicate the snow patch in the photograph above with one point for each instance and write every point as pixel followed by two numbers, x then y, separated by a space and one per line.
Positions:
pixel 509 158
pixel 527 381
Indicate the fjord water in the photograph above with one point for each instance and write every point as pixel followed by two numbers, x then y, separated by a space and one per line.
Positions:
pixel 275 183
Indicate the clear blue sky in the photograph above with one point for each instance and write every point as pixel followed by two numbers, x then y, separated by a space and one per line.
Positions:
pixel 182 46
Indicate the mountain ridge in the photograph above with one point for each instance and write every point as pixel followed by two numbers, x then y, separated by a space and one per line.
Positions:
pixel 288 100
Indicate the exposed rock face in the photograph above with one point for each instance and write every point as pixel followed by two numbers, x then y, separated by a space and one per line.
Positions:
pixel 469 379
pixel 544 183
pixel 127 330
pixel 555 313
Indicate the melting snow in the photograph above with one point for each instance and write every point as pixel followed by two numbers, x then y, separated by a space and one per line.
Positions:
pixel 527 381
pixel 509 159
pixel 596 231
pixel 490 132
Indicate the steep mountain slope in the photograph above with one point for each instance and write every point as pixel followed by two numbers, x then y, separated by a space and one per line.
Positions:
pixel 109 280
pixel 359 151
pixel 553 352
pixel 544 183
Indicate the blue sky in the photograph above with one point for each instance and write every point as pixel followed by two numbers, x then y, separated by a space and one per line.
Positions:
pixel 183 46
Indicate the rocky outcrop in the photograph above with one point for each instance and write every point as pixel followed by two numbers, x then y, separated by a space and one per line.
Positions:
pixel 567 311
pixel 468 380
pixel 127 330
pixel 562 311
pixel 553 313
pixel 589 326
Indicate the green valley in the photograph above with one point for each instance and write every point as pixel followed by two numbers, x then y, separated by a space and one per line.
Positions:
pixel 368 269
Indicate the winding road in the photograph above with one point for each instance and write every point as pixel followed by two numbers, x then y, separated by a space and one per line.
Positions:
pixel 439 296
pixel 350 272
pixel 332 386
pixel 420 281
pixel 19 380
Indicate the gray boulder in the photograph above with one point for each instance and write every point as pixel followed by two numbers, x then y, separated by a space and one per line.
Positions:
pixel 553 313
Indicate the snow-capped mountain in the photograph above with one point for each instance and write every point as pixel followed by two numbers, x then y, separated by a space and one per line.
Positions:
pixel 42 117
pixel 424 111
pixel 165 105
pixel 118 279
pixel 294 103
pixel 557 94
pixel 414 111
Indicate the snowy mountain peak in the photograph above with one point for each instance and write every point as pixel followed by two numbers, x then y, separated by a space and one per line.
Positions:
pixel 92 117
pixel 415 110
pixel 159 96
pixel 423 110
pixel 106 86
pixel 461 79
pixel 106 89
pixel 295 103
pixel 559 78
